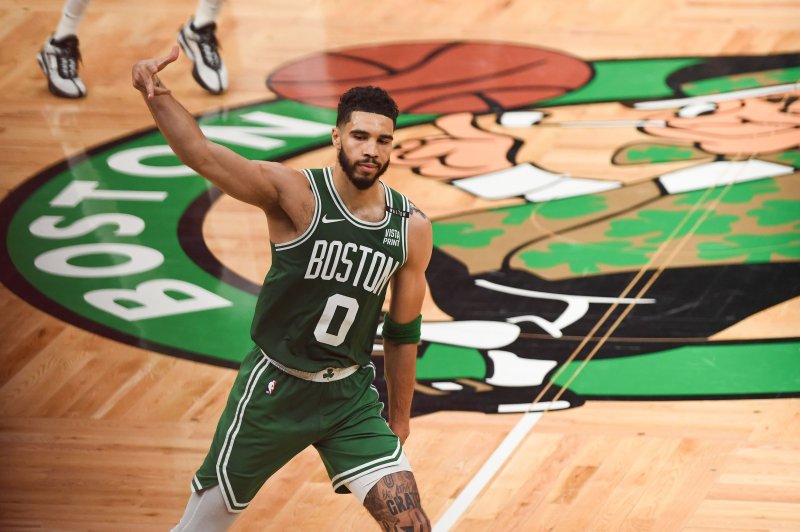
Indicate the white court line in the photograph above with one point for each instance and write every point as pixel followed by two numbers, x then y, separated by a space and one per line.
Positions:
pixel 718 97
pixel 486 472
pixel 529 419
pixel 607 123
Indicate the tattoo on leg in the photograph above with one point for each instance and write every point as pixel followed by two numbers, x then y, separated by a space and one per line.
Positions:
pixel 394 502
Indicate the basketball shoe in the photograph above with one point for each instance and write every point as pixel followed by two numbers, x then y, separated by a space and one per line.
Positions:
pixel 200 45
pixel 59 62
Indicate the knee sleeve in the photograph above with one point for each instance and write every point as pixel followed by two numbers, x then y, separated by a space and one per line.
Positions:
pixel 360 486
pixel 206 511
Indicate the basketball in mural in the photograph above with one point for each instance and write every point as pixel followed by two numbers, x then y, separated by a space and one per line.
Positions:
pixel 612 243
pixel 435 77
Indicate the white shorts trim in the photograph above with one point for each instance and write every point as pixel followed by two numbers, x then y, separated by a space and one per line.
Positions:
pixel 360 486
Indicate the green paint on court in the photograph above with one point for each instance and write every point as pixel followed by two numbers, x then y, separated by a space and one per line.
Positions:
pixel 790 157
pixel 742 81
pixel 616 80
pixel 518 214
pixel 463 235
pixel 587 258
pixel 451 362
pixel 657 153
pixel 98 260
pixel 739 193
pixel 753 248
pixel 572 207
pixel 777 212
pixel 693 370
pixel 671 224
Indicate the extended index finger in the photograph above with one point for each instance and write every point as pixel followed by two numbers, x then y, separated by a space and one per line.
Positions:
pixel 167 59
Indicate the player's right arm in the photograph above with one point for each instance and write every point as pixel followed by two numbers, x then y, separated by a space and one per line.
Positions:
pixel 254 182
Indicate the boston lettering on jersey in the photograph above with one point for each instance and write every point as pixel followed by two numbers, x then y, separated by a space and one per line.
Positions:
pixel 353 264
pixel 322 299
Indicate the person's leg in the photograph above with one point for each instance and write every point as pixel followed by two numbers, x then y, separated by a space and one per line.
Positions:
pixel 206 512
pixel 394 503
pixel 198 39
pixel 261 428
pixel 207 12
pixel 391 497
pixel 364 457
pixel 59 56
pixel 71 17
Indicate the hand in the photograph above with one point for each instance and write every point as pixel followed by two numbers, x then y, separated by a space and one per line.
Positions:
pixel 145 74
pixel 464 150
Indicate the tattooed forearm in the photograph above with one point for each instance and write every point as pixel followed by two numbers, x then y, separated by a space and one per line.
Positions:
pixel 395 503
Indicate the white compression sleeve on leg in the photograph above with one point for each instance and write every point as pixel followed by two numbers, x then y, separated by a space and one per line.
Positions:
pixel 360 486
pixel 71 17
pixel 206 512
pixel 207 12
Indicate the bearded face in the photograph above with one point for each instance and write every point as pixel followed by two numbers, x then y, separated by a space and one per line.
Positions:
pixel 363 146
pixel 359 179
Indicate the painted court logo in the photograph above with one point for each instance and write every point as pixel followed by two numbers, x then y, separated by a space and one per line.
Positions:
pixel 636 270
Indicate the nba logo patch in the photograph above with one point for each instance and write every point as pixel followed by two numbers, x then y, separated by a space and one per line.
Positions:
pixel 271 387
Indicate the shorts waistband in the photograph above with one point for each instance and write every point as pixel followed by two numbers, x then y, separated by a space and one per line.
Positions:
pixel 325 375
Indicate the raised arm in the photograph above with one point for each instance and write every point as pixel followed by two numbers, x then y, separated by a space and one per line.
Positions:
pixel 256 182
pixel 408 292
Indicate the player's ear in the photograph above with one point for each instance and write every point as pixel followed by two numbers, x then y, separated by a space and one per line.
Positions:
pixel 336 139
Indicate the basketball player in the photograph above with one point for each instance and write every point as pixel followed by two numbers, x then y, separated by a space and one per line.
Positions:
pixel 59 56
pixel 338 236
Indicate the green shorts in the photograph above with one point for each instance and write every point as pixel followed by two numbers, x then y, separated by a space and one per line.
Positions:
pixel 271 416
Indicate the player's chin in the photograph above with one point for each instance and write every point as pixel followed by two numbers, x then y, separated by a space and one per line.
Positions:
pixel 363 182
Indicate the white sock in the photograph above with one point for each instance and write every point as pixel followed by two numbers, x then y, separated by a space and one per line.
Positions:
pixel 206 512
pixel 71 17
pixel 206 13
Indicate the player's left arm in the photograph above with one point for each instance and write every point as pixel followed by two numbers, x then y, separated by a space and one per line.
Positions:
pixel 408 292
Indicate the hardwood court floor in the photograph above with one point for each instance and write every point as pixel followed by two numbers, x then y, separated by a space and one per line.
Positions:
pixel 98 435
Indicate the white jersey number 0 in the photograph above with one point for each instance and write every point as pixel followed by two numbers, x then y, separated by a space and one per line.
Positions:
pixel 334 302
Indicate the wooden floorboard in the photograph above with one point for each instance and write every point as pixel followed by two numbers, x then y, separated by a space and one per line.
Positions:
pixel 97 435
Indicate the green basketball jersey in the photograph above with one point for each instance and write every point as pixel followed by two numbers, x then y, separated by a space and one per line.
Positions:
pixel 322 297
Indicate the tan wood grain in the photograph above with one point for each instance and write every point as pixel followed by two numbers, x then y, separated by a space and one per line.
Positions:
pixel 96 435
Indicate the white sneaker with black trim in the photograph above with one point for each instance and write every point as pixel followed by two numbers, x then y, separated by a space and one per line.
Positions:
pixel 58 60
pixel 201 46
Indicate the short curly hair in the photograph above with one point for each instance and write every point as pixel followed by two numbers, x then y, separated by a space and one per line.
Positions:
pixel 368 99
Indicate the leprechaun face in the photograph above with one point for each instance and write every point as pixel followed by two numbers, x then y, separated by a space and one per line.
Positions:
pixel 608 142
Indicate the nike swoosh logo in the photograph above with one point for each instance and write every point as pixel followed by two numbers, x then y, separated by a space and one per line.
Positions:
pixel 327 220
